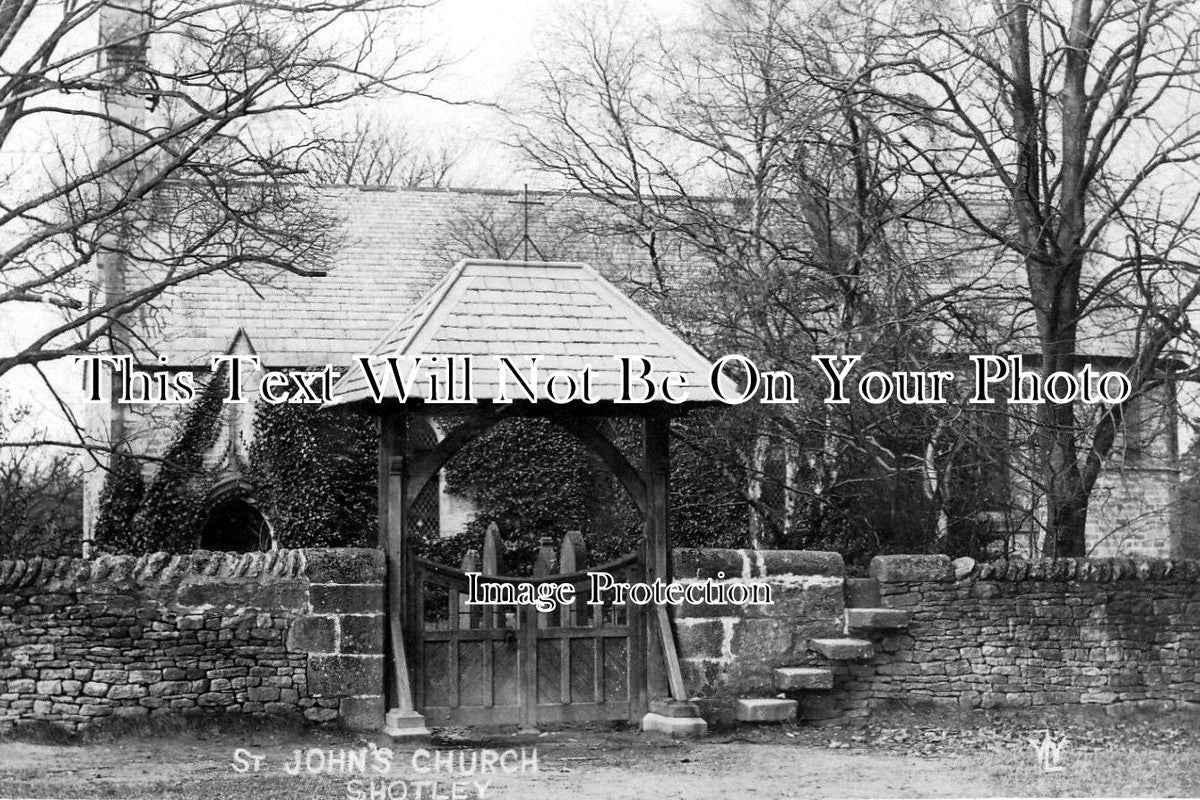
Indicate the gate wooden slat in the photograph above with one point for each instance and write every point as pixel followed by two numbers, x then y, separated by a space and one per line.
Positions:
pixel 564 669
pixel 483 666
pixel 489 697
pixel 527 666
pixel 598 669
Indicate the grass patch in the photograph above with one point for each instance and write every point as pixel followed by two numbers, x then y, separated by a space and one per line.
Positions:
pixel 1137 772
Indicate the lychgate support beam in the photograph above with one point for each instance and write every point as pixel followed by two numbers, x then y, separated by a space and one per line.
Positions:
pixel 657 474
pixel 599 444
pixel 402 719
pixel 424 469
pixel 672 714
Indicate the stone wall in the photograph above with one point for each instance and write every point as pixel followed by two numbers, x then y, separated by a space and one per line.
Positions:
pixel 301 632
pixel 286 632
pixel 728 652
pixel 1134 511
pixel 1118 633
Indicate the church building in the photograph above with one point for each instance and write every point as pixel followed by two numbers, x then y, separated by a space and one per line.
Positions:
pixel 393 246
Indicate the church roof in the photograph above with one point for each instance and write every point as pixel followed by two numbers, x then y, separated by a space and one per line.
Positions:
pixel 565 313
pixel 395 244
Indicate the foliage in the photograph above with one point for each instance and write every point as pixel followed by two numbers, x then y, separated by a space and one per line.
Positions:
pixel 314 472
pixel 1042 123
pixel 815 243
pixel 120 499
pixel 534 479
pixel 168 515
pixel 41 500
pixel 173 509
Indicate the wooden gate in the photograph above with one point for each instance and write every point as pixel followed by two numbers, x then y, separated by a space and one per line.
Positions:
pixel 498 665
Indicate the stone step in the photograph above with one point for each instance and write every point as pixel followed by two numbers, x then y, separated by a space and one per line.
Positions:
pixel 765 709
pixel 847 649
pixel 862 593
pixel 787 678
pixel 876 618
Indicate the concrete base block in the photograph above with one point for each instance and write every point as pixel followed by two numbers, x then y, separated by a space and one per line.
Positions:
pixel 679 727
pixel 404 724
pixel 765 709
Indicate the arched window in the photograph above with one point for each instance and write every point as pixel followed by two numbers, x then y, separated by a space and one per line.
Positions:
pixel 234 525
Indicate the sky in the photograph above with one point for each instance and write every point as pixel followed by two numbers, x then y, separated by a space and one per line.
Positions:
pixel 495 44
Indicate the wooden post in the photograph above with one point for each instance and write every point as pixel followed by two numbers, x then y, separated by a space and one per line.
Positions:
pixel 469 616
pixel 492 563
pixel 544 566
pixel 402 719
pixel 670 710
pixel 572 557
pixel 493 551
pixel 664 674
pixel 655 471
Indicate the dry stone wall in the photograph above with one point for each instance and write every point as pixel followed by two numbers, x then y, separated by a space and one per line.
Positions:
pixel 731 651
pixel 286 632
pixel 1119 633
pixel 301 632
pixel 1122 634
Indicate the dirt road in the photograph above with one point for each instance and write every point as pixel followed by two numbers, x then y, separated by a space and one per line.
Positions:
pixel 591 765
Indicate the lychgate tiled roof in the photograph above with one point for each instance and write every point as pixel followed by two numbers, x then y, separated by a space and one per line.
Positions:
pixel 566 314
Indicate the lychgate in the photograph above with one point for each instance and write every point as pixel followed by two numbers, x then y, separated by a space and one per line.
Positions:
pixel 458 664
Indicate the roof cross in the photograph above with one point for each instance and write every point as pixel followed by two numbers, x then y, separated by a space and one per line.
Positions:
pixel 525 204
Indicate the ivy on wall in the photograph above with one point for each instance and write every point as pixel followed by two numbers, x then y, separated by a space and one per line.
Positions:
pixel 120 499
pixel 314 472
pixel 173 509
pixel 534 479
pixel 167 513
pixel 313 475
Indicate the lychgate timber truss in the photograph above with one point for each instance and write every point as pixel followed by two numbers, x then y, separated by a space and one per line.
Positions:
pixel 453 663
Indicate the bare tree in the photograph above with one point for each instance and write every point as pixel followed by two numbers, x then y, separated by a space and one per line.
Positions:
pixel 776 223
pixel 1079 117
pixel 39 496
pixel 164 162
pixel 371 152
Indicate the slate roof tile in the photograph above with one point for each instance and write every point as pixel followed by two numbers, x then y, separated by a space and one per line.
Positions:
pixel 605 324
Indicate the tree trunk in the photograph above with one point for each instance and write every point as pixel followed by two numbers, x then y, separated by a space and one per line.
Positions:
pixel 1066 499
pixel 754 485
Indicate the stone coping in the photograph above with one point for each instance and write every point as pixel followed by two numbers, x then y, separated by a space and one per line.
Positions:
pixel 940 569
pixel 319 565
pixel 715 563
